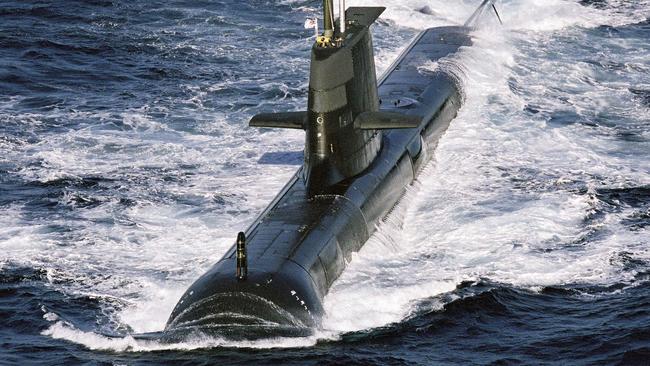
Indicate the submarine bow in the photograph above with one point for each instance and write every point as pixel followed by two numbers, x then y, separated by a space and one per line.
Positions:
pixel 366 141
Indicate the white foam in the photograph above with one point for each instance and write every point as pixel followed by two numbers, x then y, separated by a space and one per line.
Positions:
pixel 95 341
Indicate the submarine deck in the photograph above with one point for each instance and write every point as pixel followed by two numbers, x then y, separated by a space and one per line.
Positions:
pixel 298 246
pixel 409 87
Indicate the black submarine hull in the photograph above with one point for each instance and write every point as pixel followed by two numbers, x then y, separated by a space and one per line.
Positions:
pixel 300 244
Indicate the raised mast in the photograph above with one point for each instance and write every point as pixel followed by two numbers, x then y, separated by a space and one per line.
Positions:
pixel 342 24
pixel 328 19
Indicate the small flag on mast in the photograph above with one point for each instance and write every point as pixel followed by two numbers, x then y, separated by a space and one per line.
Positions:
pixel 312 23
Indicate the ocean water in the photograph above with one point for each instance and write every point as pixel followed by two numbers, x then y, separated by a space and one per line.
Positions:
pixel 127 168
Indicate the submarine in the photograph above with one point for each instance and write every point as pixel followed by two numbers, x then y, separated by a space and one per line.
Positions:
pixel 366 140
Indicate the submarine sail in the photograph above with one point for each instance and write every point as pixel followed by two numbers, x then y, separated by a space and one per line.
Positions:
pixel 366 140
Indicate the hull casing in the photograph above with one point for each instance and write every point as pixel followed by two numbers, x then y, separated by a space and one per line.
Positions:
pixel 301 243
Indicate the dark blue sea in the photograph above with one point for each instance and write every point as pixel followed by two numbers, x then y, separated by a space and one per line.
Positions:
pixel 127 168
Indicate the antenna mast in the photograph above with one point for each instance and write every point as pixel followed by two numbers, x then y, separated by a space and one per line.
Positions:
pixel 326 40
pixel 342 18
pixel 328 18
pixel 473 20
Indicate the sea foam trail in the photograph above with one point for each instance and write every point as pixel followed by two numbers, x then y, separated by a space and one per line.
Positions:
pixel 465 221
pixel 498 203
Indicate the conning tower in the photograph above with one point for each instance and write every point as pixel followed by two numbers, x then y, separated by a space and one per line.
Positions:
pixel 342 122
